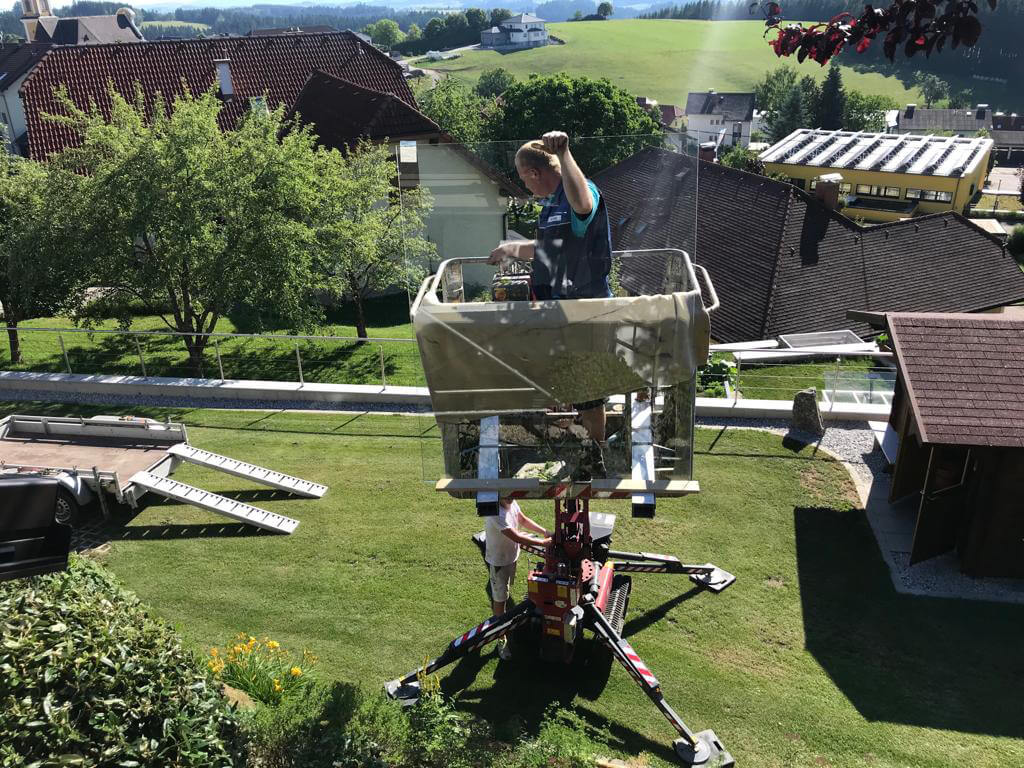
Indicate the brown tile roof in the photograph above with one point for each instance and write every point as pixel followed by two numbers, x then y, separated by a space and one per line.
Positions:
pixel 782 263
pixel 273 66
pixel 964 376
pixel 965 119
pixel 342 112
pixel 17 59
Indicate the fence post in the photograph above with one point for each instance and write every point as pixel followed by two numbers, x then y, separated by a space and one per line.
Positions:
pixel 736 387
pixel 65 351
pixel 220 365
pixel 835 380
pixel 383 376
pixel 298 359
pixel 142 362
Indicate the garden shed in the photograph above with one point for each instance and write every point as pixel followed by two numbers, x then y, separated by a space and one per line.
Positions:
pixel 958 409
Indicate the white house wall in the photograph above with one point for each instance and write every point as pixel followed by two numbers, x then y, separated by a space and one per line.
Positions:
pixel 15 111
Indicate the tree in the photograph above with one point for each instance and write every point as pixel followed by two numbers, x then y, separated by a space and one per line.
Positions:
pixel 362 246
pixel 498 15
pixel 455 108
pixel 616 126
pixel 810 98
pixel 39 274
pixel 434 29
pixel 191 221
pixel 866 111
pixel 773 88
pixel 832 105
pixel 476 18
pixel 494 82
pixel 605 9
pixel 385 32
pixel 455 23
pixel 414 32
pixel 932 87
pixel 789 116
pixel 961 99
pixel 1015 243
pixel 742 159
pixel 577 15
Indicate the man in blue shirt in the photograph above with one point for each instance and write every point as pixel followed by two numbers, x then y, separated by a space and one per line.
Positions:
pixel 572 255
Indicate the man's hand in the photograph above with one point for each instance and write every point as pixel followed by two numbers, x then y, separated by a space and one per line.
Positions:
pixel 556 142
pixel 504 252
pixel 544 542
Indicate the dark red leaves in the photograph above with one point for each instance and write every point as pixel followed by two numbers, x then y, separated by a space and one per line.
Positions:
pixel 916 24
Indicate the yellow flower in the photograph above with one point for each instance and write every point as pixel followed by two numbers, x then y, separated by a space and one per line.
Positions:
pixel 277 685
pixel 273 644
pixel 213 651
pixel 296 671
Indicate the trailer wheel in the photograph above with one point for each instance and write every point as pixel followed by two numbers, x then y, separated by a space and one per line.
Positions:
pixel 66 510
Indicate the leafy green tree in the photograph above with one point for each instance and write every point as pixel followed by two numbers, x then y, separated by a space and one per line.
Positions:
pixel 788 116
pixel 605 9
pixel 932 87
pixel 742 159
pixel 414 32
pixel 362 246
pixel 577 15
pixel 498 15
pixel 614 124
pixel 773 88
pixel 866 111
pixel 810 96
pixel 385 32
pixel 434 29
pixel 476 18
pixel 39 273
pixel 961 99
pixel 190 220
pixel 494 82
pixel 1015 243
pixel 455 23
pixel 832 105
pixel 455 108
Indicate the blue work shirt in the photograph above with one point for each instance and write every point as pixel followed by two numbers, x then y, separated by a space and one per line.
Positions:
pixel 573 255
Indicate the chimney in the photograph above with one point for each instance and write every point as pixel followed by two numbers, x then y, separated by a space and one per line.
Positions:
pixel 707 152
pixel 827 190
pixel 227 89
pixel 982 112
pixel 126 18
pixel 909 114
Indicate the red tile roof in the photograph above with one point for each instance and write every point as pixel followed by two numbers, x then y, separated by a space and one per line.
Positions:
pixel 964 376
pixel 273 66
pixel 342 112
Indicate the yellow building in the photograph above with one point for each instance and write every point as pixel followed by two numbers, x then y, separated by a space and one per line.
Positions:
pixel 886 176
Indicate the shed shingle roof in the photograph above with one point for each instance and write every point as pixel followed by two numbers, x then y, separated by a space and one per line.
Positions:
pixel 273 66
pixel 731 106
pixel 964 376
pixel 782 263
pixel 961 120
pixel 17 59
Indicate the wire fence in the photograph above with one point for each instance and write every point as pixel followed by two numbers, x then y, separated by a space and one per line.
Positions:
pixel 851 377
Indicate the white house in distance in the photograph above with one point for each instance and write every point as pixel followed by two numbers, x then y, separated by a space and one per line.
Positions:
pixel 518 32
pixel 724 118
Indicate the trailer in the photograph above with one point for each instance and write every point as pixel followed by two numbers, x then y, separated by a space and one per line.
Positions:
pixel 125 457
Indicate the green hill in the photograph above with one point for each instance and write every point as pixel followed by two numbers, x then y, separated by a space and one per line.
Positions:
pixel 663 59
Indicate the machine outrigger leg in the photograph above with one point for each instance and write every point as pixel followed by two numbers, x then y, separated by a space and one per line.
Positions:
pixel 407 689
pixel 694 749
pixel 708 575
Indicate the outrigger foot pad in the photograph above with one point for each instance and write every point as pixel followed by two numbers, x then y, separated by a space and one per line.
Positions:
pixel 407 694
pixel 716 581
pixel 707 753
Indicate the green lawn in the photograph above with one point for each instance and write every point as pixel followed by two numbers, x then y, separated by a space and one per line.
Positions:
pixel 336 361
pixel 810 659
pixel 1001 202
pixel 780 381
pixel 663 59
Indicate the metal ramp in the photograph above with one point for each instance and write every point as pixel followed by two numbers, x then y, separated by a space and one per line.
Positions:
pixel 237 468
pixel 197 497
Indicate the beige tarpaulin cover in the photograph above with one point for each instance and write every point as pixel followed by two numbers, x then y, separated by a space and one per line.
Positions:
pixel 483 358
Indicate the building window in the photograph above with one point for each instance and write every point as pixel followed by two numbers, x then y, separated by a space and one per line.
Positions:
pixel 814 184
pixel 864 189
pixel 913 194
pixel 846 188
pixel 944 197
pixel 891 192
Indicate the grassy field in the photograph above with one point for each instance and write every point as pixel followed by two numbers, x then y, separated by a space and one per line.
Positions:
pixel 1001 202
pixel 324 362
pixel 781 381
pixel 663 59
pixel 810 659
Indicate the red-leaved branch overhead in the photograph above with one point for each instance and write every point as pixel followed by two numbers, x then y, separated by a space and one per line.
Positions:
pixel 913 25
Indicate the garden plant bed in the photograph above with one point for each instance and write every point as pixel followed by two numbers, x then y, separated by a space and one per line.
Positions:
pixel 811 658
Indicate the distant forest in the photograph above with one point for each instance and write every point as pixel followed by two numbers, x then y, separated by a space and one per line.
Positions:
pixel 997 54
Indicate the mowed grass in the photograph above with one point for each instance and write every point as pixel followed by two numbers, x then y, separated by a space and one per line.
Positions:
pixel 810 659
pixel 781 381
pixel 664 59
pixel 329 361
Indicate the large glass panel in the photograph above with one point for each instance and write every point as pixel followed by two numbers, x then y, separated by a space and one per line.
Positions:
pixel 518 381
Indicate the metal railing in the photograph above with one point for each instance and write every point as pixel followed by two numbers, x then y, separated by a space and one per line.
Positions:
pixel 306 358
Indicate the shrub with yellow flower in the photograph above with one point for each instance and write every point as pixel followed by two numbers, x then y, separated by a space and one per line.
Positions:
pixel 261 668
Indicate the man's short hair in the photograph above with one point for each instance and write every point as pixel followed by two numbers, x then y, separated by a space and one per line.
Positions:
pixel 534 155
